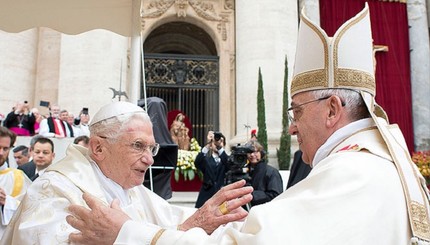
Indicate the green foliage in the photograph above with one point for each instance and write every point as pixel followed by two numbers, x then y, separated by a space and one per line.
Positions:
pixel 284 151
pixel 261 113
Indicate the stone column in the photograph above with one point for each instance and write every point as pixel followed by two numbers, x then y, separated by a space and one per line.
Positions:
pixel 47 67
pixel 266 32
pixel 420 72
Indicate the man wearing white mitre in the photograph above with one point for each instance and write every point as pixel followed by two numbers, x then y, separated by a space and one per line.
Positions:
pixel 363 187
pixel 112 171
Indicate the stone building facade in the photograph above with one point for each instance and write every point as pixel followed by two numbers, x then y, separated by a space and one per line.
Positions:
pixel 85 70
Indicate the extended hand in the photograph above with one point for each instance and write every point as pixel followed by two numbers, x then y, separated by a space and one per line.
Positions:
pixel 224 207
pixel 2 197
pixel 98 225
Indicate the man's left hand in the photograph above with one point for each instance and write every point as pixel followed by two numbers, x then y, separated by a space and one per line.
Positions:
pixel 224 207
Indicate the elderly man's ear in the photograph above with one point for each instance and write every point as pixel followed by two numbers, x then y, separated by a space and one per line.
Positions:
pixel 97 149
pixel 335 107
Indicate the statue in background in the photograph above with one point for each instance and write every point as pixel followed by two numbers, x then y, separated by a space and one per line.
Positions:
pixel 179 132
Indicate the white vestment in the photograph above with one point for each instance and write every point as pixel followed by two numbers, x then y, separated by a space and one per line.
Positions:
pixel 353 195
pixel 14 182
pixel 41 217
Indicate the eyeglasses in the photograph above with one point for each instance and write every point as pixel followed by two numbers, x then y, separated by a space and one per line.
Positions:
pixel 140 147
pixel 290 110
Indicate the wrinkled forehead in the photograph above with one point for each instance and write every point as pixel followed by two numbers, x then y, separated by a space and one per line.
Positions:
pixel 138 128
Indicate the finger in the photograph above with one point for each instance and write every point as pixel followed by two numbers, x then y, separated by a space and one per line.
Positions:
pixel 115 204
pixel 92 201
pixel 79 211
pixel 238 202
pixel 224 195
pixel 75 222
pixel 236 215
pixel 235 185
pixel 76 237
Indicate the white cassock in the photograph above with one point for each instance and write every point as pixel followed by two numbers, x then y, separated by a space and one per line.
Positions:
pixel 15 183
pixel 353 195
pixel 41 217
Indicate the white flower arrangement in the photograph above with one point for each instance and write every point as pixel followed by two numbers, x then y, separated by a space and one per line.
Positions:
pixel 185 164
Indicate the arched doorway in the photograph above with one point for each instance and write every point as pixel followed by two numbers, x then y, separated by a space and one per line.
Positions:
pixel 182 68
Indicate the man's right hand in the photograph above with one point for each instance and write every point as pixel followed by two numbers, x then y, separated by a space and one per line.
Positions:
pixel 98 225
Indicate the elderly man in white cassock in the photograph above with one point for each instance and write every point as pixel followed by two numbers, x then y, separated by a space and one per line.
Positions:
pixel 112 171
pixel 363 188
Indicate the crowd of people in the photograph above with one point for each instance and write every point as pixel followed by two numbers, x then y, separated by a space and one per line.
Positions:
pixel 32 160
pixel 362 189
pixel 59 123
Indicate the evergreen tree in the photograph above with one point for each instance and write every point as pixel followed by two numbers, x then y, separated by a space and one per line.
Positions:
pixel 261 113
pixel 284 151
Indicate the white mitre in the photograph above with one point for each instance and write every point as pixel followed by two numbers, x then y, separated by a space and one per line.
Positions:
pixel 115 109
pixel 342 61
pixel 346 61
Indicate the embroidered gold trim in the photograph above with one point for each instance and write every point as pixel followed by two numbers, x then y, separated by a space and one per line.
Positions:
pixel 157 236
pixel 309 80
pixel 419 220
pixel 347 78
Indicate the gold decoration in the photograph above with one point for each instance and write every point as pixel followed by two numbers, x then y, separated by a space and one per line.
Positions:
pixel 419 220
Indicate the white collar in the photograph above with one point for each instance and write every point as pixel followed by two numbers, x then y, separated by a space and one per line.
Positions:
pixel 111 189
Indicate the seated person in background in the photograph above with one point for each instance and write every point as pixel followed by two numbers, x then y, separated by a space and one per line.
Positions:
pixel 112 171
pixel 20 120
pixel 265 179
pixel 13 182
pixel 38 118
pixel 53 126
pixel 21 155
pixel 80 124
pixel 211 161
pixel 84 120
pixel 299 169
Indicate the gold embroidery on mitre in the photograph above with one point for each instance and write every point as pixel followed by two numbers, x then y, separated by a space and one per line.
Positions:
pixel 354 79
pixel 309 80
pixel 420 222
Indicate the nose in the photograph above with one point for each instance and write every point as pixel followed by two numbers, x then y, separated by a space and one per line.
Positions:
pixel 292 129
pixel 147 158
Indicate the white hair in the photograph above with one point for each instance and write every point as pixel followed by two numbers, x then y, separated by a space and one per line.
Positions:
pixel 352 100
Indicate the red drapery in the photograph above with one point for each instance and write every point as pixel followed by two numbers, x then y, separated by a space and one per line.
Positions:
pixel 390 28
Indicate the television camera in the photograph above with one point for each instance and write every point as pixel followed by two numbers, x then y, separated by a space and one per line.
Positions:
pixel 237 165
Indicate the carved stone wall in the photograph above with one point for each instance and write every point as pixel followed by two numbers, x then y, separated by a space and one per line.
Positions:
pixel 216 18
